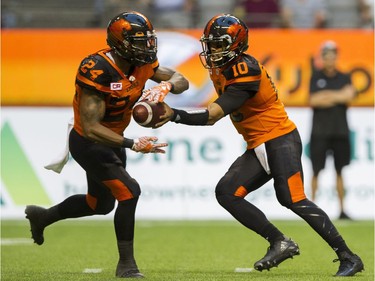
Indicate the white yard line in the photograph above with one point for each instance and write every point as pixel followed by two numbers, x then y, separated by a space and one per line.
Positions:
pixel 16 241
pixel 243 269
pixel 92 270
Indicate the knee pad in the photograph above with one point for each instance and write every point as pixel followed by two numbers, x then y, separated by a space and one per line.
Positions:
pixel 226 200
pixel 285 201
pixel 101 205
pixel 222 197
pixel 135 188
pixel 104 208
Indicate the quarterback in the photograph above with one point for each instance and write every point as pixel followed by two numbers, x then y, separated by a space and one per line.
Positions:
pixel 248 96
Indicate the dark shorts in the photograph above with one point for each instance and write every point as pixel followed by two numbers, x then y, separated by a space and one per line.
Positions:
pixel 284 157
pixel 321 147
pixel 105 169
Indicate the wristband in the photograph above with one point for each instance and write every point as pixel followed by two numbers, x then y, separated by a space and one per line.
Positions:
pixel 193 117
pixel 175 113
pixel 128 143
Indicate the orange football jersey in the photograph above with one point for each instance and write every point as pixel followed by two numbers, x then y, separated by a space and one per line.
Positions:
pixel 263 116
pixel 99 73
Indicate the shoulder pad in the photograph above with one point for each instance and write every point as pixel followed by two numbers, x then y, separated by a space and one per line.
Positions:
pixel 96 69
pixel 244 67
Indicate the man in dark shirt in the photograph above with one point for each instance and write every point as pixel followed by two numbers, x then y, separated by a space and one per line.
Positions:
pixel 330 92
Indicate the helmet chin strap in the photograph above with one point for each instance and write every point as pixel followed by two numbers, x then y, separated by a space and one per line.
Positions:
pixel 232 54
pixel 118 53
pixel 131 59
pixel 224 59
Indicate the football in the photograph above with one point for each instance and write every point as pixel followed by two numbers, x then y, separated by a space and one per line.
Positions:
pixel 147 114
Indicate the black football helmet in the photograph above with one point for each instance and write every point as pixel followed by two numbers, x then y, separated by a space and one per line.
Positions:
pixel 225 37
pixel 132 36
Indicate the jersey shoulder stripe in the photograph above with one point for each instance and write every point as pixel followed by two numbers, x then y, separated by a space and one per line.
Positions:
pixel 245 79
pixel 96 73
pixel 87 83
pixel 244 67
pixel 98 70
pixel 244 70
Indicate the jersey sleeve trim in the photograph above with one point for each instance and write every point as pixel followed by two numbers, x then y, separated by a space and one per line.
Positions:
pixel 244 79
pixel 87 83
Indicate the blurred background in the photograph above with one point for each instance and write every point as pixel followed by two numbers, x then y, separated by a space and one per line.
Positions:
pixel 186 13
pixel 43 42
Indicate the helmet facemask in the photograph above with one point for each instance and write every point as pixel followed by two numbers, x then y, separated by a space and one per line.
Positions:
pixel 216 51
pixel 225 37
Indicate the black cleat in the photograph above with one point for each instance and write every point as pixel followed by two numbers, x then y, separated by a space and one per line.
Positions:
pixel 277 253
pixel 128 270
pixel 349 264
pixel 131 274
pixel 35 215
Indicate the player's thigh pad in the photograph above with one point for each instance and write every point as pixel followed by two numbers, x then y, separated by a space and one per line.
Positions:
pixel 284 157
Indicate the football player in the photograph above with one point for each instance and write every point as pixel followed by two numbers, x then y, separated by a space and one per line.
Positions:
pixel 247 94
pixel 108 84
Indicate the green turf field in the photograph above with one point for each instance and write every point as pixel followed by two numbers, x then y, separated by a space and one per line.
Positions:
pixel 170 250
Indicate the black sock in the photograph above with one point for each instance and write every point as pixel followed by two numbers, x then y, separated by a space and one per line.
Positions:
pixel 271 233
pixel 125 219
pixel 52 215
pixel 250 216
pixel 321 223
pixel 126 254
pixel 74 206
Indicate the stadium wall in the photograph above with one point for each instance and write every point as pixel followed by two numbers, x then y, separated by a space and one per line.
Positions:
pixel 179 184
pixel 39 66
pixel 38 70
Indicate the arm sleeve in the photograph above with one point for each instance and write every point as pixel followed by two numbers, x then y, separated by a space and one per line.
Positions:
pixel 236 95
